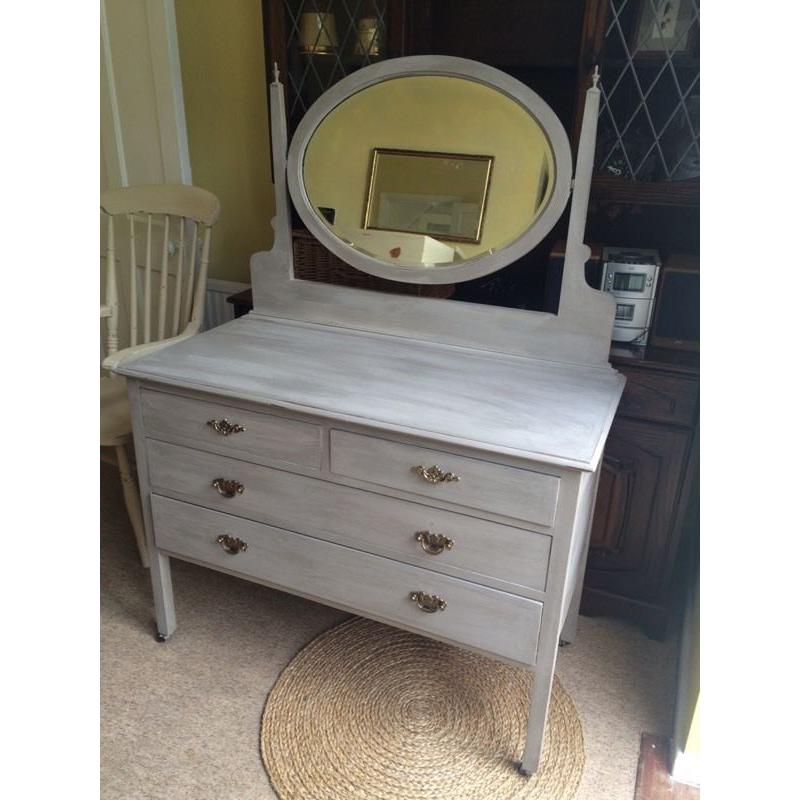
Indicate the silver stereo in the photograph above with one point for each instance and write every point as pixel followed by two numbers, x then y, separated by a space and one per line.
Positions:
pixel 631 276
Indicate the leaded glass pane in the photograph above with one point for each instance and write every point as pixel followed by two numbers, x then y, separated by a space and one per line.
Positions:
pixel 649 126
pixel 326 40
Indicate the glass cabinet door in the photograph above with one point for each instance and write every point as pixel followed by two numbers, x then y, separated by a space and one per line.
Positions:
pixel 319 42
pixel 649 125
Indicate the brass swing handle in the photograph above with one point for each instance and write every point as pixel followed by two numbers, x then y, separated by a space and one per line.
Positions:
pixel 434 474
pixel 429 603
pixel 222 426
pixel 231 545
pixel 433 543
pixel 227 487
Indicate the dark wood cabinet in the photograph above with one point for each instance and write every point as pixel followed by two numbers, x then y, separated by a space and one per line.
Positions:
pixel 644 510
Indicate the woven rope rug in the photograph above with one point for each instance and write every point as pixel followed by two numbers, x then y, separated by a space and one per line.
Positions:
pixel 368 712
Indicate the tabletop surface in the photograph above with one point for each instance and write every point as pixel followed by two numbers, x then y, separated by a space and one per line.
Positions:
pixel 523 407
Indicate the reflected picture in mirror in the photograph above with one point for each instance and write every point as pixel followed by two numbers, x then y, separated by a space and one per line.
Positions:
pixel 442 195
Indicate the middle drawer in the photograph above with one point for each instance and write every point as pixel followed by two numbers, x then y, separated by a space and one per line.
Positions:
pixel 497 555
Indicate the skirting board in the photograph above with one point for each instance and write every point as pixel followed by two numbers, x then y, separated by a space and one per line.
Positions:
pixel 686 768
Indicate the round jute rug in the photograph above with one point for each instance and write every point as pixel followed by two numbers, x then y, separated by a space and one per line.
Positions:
pixel 368 712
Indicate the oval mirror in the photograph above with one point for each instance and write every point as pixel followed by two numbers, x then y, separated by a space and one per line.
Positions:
pixel 429 169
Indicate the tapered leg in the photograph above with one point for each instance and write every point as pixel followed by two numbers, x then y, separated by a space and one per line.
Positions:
pixel 133 503
pixel 162 594
pixel 537 716
pixel 570 627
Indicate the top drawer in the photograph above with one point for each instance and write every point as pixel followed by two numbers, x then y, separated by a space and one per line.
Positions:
pixel 509 491
pixel 257 437
pixel 658 397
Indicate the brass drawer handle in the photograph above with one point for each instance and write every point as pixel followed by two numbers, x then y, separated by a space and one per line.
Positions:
pixel 231 545
pixel 433 543
pixel 227 487
pixel 222 426
pixel 429 603
pixel 434 474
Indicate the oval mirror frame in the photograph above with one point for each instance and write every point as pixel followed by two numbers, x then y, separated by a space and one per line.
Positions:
pixel 449 66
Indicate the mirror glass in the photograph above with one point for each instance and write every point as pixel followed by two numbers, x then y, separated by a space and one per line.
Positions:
pixel 421 171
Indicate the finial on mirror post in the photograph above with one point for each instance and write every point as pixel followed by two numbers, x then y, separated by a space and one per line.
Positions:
pixel 595 76
pixel 275 72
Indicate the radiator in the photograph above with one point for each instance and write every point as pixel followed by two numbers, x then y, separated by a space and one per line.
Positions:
pixel 218 310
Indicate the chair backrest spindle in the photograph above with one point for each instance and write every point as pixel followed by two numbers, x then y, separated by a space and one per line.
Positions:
pixel 189 309
pixel 148 289
pixel 163 288
pixel 198 306
pixel 112 298
pixel 176 309
pixel 134 283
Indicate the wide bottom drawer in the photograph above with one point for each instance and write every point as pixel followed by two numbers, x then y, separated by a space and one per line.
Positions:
pixel 474 615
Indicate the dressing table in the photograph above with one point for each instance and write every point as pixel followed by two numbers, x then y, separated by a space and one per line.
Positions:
pixel 427 463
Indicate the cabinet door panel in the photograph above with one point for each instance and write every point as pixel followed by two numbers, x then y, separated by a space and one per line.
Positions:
pixel 671 399
pixel 631 545
pixel 612 511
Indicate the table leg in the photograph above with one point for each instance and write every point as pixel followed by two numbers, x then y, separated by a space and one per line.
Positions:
pixel 162 595
pixel 537 715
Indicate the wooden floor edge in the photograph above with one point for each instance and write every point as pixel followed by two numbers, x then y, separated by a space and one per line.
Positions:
pixel 653 781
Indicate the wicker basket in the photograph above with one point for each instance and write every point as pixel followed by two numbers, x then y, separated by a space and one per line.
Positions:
pixel 313 262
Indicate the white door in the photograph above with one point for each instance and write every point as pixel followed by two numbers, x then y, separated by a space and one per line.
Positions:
pixel 142 121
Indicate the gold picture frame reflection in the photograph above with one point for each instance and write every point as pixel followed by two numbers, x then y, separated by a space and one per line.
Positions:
pixel 442 195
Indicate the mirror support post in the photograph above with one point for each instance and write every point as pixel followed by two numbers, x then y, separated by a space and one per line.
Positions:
pixel 281 222
pixel 280 257
pixel 574 288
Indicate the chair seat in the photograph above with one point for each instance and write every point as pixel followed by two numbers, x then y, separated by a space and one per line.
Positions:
pixel 115 416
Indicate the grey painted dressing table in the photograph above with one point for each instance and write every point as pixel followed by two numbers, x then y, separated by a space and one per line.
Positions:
pixel 427 463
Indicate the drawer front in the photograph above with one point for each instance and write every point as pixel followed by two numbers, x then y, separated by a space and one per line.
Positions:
pixel 482 485
pixel 265 437
pixel 476 616
pixel 658 397
pixel 477 549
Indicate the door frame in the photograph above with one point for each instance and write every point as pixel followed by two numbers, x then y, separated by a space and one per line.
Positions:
pixel 164 61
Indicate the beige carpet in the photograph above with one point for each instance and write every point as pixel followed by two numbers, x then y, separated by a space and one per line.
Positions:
pixel 181 720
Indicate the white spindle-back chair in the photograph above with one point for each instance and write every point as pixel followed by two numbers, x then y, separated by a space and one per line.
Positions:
pixel 155 316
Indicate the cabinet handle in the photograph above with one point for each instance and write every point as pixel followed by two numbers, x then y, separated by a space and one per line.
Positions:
pixel 227 487
pixel 433 543
pixel 231 545
pixel 429 603
pixel 225 428
pixel 434 474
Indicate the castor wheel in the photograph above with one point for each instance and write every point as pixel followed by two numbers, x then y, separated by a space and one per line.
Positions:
pixel 563 642
pixel 524 772
pixel 160 637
